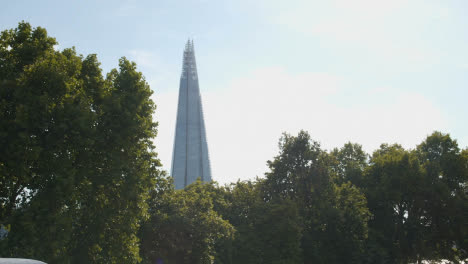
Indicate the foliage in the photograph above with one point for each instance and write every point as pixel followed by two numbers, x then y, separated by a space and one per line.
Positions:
pixel 183 227
pixel 348 163
pixel 297 214
pixel 77 160
pixel 418 199
pixel 392 185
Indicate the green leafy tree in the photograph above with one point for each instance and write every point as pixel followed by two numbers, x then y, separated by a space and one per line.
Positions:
pixel 445 195
pixel 349 163
pixel 124 173
pixel 417 199
pixel 19 142
pixel 241 202
pixel 394 188
pixel 265 232
pixel 77 161
pixel 302 172
pixel 183 227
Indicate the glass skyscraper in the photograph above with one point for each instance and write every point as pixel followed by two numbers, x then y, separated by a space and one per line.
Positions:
pixel 190 159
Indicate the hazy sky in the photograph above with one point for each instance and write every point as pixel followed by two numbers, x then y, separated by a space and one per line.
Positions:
pixel 365 71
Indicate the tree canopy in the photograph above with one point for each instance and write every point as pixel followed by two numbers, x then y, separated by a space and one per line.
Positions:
pixel 77 160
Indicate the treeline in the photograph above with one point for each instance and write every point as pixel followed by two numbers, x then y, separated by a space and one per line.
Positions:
pixel 79 182
pixel 314 206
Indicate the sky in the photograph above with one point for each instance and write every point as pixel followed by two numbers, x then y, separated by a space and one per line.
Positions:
pixel 365 71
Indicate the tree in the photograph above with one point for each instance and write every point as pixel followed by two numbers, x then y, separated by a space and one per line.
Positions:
pixel 19 108
pixel 349 163
pixel 266 232
pixel 446 176
pixel 417 199
pixel 77 160
pixel 124 173
pixel 302 173
pixel 299 172
pixel 394 186
pixel 183 227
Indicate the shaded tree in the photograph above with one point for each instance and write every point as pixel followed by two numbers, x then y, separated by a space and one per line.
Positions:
pixel 446 176
pixel 302 173
pixel 417 199
pixel 183 227
pixel 266 232
pixel 393 186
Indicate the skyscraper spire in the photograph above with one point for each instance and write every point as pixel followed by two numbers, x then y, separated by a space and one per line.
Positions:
pixel 190 158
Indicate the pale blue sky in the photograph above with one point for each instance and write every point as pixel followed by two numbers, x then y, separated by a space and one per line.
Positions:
pixel 363 71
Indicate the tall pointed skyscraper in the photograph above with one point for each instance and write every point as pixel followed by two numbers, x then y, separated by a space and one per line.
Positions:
pixel 190 158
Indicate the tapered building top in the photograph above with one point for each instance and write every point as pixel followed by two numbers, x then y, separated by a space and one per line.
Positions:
pixel 190 159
